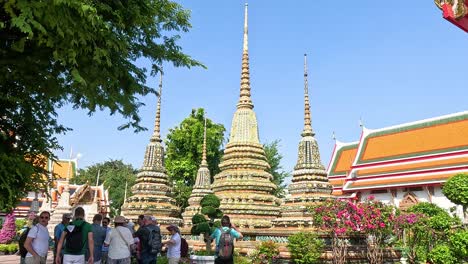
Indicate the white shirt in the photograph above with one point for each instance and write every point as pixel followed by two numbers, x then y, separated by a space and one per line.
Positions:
pixel 118 249
pixel 173 250
pixel 40 240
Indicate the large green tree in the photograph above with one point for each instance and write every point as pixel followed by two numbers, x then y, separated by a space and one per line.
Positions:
pixel 184 147
pixel 77 52
pixel 114 174
pixel 274 159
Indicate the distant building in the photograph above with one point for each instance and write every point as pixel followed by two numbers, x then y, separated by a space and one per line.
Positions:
pixel 404 164
pixel 80 195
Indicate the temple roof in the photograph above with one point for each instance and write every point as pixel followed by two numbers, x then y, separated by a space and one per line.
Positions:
pixel 340 164
pixel 64 167
pixel 418 153
pixel 421 138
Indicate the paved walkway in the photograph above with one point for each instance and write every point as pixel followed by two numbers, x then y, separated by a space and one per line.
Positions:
pixel 14 259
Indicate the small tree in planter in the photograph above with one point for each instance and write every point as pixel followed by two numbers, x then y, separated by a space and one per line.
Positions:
pixel 456 190
pixel 8 231
pixel 201 225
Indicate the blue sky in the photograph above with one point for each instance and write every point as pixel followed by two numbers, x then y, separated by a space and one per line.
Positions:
pixel 385 62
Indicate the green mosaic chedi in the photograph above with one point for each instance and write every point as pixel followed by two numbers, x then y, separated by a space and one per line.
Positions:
pixel 152 190
pixel 309 182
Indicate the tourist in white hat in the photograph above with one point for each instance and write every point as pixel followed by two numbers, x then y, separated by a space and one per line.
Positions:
pixel 120 240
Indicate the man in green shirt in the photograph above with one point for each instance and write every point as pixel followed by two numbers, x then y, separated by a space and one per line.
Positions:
pixel 78 236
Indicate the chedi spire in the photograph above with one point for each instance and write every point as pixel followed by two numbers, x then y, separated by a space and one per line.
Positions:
pixel 152 193
pixel 244 99
pixel 201 188
pixel 309 182
pixel 244 184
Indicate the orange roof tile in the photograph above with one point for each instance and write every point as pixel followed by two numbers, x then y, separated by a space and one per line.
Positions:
pixel 62 168
pixel 343 159
pixel 425 137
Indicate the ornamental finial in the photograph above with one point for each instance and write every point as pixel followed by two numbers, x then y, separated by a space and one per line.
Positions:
pixel 245 101
pixel 307 116
pixel 204 163
pixel 157 124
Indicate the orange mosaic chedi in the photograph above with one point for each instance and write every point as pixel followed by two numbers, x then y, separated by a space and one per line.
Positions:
pixel 422 153
pixel 244 184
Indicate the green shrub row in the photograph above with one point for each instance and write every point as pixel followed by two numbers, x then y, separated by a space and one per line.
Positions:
pixel 11 248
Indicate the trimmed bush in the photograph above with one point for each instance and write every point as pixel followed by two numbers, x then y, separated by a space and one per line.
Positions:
pixel 442 254
pixel 305 248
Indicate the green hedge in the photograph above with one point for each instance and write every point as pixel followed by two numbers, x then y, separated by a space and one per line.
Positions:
pixel 9 248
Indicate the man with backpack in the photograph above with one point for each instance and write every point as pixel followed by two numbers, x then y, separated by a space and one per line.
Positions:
pixel 37 242
pixel 150 241
pixel 22 239
pixel 225 241
pixel 76 237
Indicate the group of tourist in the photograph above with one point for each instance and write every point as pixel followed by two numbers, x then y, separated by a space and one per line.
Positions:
pixel 77 241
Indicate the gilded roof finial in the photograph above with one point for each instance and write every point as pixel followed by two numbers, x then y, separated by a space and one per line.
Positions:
pixel 203 162
pixel 157 124
pixel 361 123
pixel 307 119
pixel 244 100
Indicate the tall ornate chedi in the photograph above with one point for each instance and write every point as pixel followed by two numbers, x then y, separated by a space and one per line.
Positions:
pixel 152 192
pixel 244 184
pixel 201 188
pixel 309 182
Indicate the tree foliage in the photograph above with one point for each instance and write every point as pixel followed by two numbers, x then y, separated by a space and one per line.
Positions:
pixel 201 225
pixel 114 174
pixel 456 190
pixel 184 147
pixel 274 159
pixel 76 52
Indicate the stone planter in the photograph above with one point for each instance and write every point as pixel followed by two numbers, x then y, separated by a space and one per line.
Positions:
pixel 194 259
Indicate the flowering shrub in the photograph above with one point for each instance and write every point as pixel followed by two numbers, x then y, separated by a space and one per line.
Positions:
pixel 412 228
pixel 266 253
pixel 8 231
pixel 343 217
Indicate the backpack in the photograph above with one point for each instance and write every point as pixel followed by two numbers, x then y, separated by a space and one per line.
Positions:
pixel 74 240
pixel 184 249
pixel 23 251
pixel 154 241
pixel 226 244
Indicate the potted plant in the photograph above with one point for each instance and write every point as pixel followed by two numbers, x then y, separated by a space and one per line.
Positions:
pixel 205 226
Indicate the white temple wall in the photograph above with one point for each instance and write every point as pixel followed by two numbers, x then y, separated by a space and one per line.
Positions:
pixel 437 198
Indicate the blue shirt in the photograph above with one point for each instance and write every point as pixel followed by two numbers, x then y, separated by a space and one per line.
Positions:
pixel 58 231
pixel 217 234
pixel 99 234
pixel 104 248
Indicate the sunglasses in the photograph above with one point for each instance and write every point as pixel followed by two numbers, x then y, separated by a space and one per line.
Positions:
pixel 104 223
pixel 44 217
